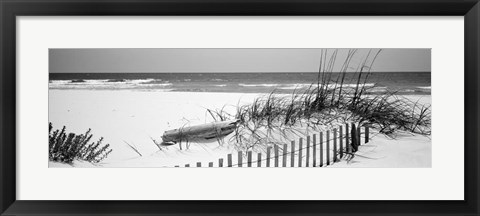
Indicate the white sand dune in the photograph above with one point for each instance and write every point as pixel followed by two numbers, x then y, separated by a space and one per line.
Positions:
pixel 405 151
pixel 137 116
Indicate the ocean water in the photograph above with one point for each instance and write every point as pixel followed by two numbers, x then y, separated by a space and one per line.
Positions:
pixel 378 82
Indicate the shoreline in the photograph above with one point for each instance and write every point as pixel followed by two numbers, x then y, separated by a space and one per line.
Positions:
pixel 278 91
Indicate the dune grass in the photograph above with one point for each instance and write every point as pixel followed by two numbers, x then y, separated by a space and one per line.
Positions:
pixel 133 147
pixel 66 148
pixel 331 100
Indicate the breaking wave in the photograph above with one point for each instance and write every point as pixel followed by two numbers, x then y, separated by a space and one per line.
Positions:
pixel 303 85
pixel 108 84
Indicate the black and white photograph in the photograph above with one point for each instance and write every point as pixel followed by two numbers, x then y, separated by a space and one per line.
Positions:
pixel 239 107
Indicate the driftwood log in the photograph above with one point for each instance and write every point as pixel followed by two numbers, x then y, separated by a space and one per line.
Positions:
pixel 204 131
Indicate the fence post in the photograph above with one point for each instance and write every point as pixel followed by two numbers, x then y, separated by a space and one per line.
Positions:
pixel 300 142
pixel 321 149
pixel 259 160
pixel 275 147
pixel 328 147
pixel 307 163
pixel 347 139
pixel 220 162
pixel 341 142
pixel 187 165
pixel 367 134
pixel 229 160
pixel 354 138
pixel 210 164
pixel 240 161
pixel 249 159
pixel 335 145
pixel 359 134
pixel 292 154
pixel 284 158
pixel 199 164
pixel 268 156
pixel 314 149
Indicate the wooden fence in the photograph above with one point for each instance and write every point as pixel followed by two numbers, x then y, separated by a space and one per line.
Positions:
pixel 332 146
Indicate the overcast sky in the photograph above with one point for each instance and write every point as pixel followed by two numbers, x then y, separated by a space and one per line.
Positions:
pixel 225 60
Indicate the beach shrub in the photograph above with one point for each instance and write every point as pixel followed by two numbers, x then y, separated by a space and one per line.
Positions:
pixel 66 147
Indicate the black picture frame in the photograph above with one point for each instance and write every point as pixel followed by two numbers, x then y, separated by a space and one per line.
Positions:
pixel 9 205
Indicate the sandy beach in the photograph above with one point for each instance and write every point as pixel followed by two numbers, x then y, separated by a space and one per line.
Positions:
pixel 135 117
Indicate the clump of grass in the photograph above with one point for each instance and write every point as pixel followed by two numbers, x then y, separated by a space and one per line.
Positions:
pixel 390 113
pixel 66 148
pixel 331 100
